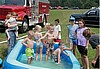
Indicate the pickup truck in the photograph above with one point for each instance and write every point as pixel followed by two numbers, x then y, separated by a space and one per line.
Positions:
pixel 91 17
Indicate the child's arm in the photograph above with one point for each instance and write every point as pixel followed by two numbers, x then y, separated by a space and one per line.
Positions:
pixel 97 52
pixel 17 28
pixel 10 26
pixel 70 48
pixel 65 53
pixel 67 39
pixel 87 43
pixel 23 42
pixel 59 31
pixel 43 36
pixel 75 33
pixel 59 56
pixel 67 36
pixel 54 37
pixel 6 22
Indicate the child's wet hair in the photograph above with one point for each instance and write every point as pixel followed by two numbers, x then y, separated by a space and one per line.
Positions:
pixel 31 33
pixel 37 27
pixel 47 25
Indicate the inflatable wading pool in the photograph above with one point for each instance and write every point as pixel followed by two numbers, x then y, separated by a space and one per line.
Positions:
pixel 17 60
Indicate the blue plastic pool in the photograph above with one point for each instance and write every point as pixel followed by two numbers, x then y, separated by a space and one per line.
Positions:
pixel 0 61
pixel 18 60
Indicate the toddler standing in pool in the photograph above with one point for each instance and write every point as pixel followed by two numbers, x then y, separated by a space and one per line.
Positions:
pixel 49 42
pixel 39 45
pixel 28 42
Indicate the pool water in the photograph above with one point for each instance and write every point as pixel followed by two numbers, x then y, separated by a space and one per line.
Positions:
pixel 47 64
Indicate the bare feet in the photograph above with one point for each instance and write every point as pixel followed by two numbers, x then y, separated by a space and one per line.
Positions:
pixel 29 60
pixel 32 58
pixel 58 63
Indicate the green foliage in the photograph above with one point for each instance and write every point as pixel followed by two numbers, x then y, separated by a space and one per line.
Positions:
pixel 79 3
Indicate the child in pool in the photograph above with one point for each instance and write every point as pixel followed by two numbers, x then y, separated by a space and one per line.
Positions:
pixel 49 42
pixel 39 44
pixel 28 42
pixel 57 52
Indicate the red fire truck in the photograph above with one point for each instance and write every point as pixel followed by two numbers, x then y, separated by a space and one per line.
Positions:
pixel 29 12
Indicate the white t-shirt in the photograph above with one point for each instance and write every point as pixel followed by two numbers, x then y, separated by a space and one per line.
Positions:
pixel 57 29
pixel 12 21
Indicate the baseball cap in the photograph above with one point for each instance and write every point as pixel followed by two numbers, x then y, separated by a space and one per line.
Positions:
pixel 72 19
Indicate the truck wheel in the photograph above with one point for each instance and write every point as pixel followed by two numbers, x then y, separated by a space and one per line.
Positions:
pixel 24 26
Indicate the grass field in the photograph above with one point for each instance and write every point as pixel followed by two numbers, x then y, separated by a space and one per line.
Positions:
pixel 63 15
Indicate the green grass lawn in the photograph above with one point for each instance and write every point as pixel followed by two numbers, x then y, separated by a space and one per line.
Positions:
pixel 63 16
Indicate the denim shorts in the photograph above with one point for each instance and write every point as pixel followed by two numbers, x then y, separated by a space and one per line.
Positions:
pixel 74 41
pixel 39 46
pixel 11 41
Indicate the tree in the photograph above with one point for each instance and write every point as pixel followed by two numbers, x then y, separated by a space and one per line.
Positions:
pixel 78 3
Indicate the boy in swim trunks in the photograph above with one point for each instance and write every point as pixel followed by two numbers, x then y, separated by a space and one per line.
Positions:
pixel 57 52
pixel 50 40
pixel 28 42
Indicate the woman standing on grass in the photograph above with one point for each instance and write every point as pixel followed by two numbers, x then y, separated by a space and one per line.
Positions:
pixel 94 42
pixel 82 44
pixel 12 34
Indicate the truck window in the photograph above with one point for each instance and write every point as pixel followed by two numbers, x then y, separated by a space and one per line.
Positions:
pixel 27 3
pixel 12 2
pixel 2 2
pixel 92 13
pixel 33 2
